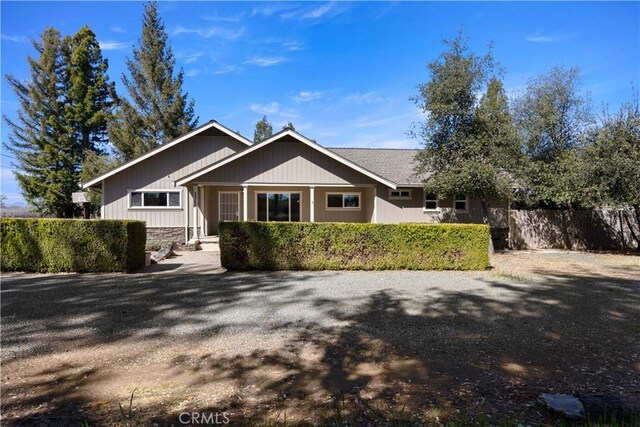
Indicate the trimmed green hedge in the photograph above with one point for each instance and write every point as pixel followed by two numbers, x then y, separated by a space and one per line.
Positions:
pixel 72 245
pixel 341 246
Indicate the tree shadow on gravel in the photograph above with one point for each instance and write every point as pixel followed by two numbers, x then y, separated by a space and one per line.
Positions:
pixel 443 354
pixel 459 356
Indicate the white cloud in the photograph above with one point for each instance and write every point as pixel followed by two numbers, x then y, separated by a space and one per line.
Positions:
pixel 318 12
pixel 383 120
pixel 270 9
pixel 545 38
pixel 215 17
pixel 189 57
pixel 290 45
pixel 110 45
pixel 266 61
pixel 226 69
pixel 315 12
pixel 272 108
pixel 223 33
pixel 117 29
pixel 16 39
pixel 192 73
pixel 363 98
pixel 293 45
pixel 306 96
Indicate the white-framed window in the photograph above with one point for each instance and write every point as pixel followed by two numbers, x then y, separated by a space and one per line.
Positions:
pixel 343 201
pixel 400 194
pixel 155 199
pixel 431 203
pixel 461 204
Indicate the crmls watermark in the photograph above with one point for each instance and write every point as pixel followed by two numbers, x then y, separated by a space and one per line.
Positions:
pixel 204 418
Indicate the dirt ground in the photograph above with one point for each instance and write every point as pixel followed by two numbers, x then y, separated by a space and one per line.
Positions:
pixel 303 348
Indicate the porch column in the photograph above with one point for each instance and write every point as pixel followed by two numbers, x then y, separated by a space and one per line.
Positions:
pixel 201 207
pixel 312 204
pixel 374 218
pixel 245 204
pixel 195 213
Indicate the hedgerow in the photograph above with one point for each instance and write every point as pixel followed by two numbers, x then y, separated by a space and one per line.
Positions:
pixel 342 246
pixel 67 245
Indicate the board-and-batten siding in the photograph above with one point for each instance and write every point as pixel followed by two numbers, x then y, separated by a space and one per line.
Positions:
pixel 286 161
pixel 159 172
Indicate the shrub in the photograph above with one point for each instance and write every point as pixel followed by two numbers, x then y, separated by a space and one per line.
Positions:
pixel 340 246
pixel 69 245
pixel 155 245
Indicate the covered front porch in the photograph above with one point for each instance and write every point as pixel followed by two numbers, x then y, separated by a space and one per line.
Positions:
pixel 215 202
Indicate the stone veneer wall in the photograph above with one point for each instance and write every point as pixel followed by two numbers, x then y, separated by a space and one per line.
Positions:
pixel 166 234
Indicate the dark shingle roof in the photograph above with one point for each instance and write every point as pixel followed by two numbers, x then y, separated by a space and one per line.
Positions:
pixel 393 164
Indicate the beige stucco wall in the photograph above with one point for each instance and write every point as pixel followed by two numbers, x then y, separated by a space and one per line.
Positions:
pixel 394 211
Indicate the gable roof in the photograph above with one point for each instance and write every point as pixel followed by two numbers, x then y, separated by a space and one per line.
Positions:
pixel 395 164
pixel 210 124
pixel 288 132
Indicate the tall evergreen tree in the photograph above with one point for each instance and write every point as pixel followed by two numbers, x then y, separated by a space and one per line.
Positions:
pixel 89 93
pixel 42 139
pixel 157 111
pixel 289 125
pixel 64 107
pixel 263 131
pixel 470 148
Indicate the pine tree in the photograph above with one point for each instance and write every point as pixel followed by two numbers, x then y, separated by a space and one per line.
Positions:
pixel 289 126
pixel 42 139
pixel 90 95
pixel 157 110
pixel 263 131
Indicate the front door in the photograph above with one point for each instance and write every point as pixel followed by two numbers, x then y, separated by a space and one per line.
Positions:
pixel 229 206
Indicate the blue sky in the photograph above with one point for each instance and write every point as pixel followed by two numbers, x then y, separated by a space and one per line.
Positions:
pixel 341 72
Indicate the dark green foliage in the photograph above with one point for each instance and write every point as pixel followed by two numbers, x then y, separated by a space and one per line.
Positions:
pixel 263 131
pixel 95 164
pixel 341 246
pixel 552 116
pixel 90 94
pixel 289 125
pixel 470 148
pixel 609 171
pixel 157 110
pixel 41 137
pixel 64 107
pixel 55 245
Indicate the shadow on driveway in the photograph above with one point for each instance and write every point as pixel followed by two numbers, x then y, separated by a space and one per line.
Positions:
pixel 362 345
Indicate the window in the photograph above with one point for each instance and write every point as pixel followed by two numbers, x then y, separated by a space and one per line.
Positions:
pixel 400 194
pixel 154 199
pixel 430 202
pixel 339 201
pixel 278 206
pixel 461 204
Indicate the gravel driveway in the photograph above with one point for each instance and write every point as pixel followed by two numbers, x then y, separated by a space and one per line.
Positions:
pixel 190 337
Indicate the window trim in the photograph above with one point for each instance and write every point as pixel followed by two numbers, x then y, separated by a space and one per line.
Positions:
pixel 400 190
pixel 153 190
pixel 424 204
pixel 343 208
pixel 299 193
pixel 466 204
